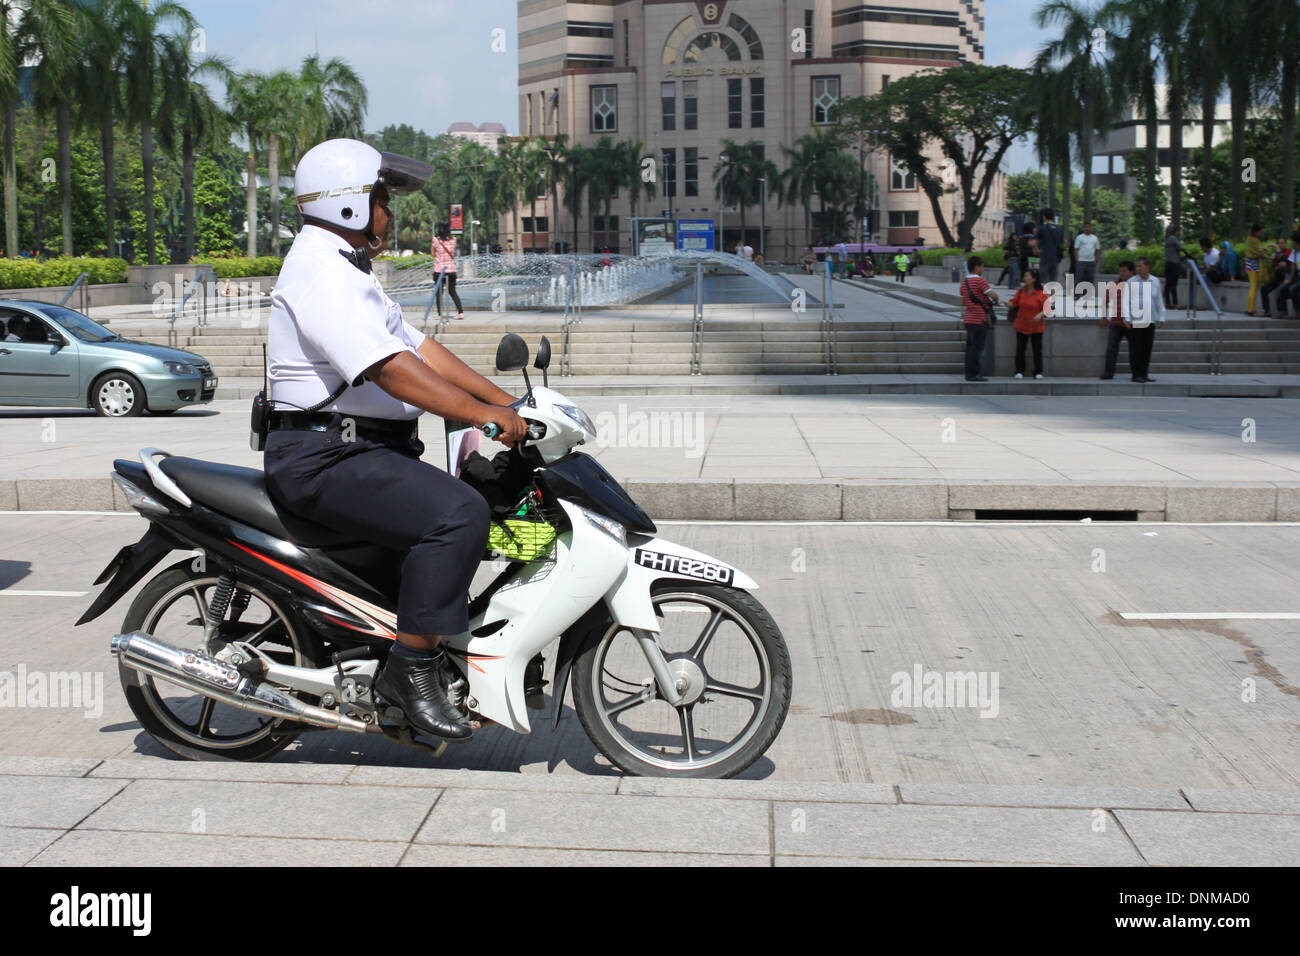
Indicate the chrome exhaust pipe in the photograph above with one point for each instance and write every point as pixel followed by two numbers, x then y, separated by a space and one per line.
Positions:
pixel 203 674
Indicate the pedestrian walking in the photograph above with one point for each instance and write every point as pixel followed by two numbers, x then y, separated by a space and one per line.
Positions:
pixel 1031 304
pixel 444 265
pixel 979 298
pixel 1050 238
pixel 900 266
pixel 1011 258
pixel 1114 320
pixel 1144 305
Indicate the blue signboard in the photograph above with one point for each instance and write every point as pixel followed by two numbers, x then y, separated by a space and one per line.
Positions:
pixel 695 235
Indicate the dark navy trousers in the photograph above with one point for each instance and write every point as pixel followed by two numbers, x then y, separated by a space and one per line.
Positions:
pixel 380 491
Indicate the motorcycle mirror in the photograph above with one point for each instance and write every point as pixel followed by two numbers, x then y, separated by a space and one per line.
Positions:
pixel 543 360
pixel 512 353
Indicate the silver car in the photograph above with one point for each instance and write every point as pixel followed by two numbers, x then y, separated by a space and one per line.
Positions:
pixel 50 355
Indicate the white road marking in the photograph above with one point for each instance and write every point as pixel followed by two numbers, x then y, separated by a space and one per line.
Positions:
pixel 1213 616
pixel 11 593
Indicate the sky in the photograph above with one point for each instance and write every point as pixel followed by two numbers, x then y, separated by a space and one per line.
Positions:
pixel 430 63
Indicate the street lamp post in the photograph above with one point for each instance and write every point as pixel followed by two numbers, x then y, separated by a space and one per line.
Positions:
pixel 762 217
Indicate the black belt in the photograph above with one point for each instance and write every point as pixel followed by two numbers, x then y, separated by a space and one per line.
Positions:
pixel 379 428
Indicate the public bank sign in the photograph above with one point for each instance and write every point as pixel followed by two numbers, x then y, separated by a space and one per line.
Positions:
pixel 749 69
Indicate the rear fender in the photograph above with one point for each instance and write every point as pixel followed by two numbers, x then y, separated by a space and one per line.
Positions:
pixel 126 569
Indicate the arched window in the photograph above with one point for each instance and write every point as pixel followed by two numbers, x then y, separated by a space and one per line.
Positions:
pixel 706 40
pixel 748 34
pixel 678 39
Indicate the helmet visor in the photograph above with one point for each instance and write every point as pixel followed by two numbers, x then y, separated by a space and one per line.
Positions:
pixel 401 174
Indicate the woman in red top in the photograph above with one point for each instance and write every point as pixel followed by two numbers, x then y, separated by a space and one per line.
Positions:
pixel 444 261
pixel 1031 305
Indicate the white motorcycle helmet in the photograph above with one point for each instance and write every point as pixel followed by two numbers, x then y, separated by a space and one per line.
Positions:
pixel 335 179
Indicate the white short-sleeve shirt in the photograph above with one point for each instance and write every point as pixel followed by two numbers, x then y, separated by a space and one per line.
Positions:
pixel 1086 245
pixel 329 323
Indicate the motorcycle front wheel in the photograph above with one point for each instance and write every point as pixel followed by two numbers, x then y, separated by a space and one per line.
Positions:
pixel 172 608
pixel 730 664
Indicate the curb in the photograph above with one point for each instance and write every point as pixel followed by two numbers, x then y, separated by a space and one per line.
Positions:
pixel 837 499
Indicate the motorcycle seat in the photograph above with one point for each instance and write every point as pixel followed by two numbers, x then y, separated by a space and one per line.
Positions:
pixel 241 494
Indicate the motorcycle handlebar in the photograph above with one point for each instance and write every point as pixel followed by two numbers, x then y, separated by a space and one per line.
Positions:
pixel 536 430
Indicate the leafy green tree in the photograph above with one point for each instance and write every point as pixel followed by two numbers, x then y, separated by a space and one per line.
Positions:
pixel 213 192
pixel 973 112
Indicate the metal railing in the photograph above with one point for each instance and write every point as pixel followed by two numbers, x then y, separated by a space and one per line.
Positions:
pixel 1216 340
pixel 697 323
pixel 84 286
pixel 829 337
pixel 196 283
pixel 572 317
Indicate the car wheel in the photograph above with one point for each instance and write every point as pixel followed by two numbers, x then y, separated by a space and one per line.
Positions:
pixel 117 395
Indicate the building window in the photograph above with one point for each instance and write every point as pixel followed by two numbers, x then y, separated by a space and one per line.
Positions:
pixel 735 104
pixel 825 97
pixel 901 179
pixel 587 28
pixel 904 219
pixel 604 109
pixel 748 34
pixel 526 223
pixel 691 159
pixel 808 34
pixel 668 105
pixel 670 172
pixel 587 61
pixel 884 82
pixel 690 104
pixel 706 40
pixel 756 102
pixel 626 45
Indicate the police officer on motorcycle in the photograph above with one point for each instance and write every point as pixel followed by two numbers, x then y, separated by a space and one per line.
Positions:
pixel 348 379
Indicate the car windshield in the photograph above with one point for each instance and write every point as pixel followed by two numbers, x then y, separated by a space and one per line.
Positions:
pixel 78 325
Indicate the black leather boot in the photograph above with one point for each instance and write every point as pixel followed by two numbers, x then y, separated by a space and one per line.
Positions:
pixel 415 685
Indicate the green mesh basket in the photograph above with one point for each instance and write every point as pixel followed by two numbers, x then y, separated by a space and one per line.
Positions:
pixel 527 535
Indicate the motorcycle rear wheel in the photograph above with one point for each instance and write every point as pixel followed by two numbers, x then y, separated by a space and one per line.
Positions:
pixel 726 726
pixel 171 607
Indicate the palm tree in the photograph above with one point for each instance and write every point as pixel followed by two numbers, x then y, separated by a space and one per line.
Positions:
pixel 536 165
pixel 51 38
pixel 631 156
pixel 335 100
pixel 1079 53
pixel 737 172
pixel 555 153
pixel 282 113
pixel 798 183
pixel 243 98
pixel 511 179
pixel 576 164
pixel 1206 71
pixel 144 64
pixel 99 95
pixel 189 110
pixel 1133 77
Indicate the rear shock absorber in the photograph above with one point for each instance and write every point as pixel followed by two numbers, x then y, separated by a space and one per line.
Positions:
pixel 216 612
